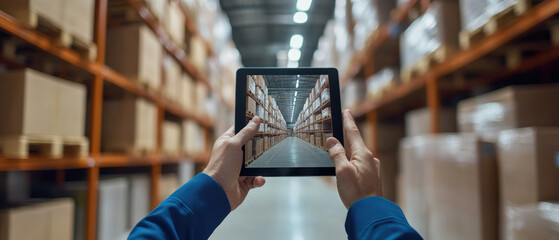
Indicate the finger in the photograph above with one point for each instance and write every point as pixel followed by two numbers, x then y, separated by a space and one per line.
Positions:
pixel 337 152
pixel 230 132
pixel 248 131
pixel 352 134
pixel 253 182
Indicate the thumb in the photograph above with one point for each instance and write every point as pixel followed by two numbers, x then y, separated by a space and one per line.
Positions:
pixel 337 152
pixel 248 131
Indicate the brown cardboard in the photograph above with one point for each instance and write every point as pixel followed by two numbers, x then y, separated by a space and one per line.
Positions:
pixel 508 108
pixel 461 186
pixel 171 138
pixel 418 122
pixel 78 17
pixel 258 146
pixel 248 151
pixel 172 75
pixel 135 52
pixel 251 105
pixel 192 133
pixel 537 221
pixel 26 11
pixel 174 23
pixel 187 95
pixel 40 104
pixel 49 220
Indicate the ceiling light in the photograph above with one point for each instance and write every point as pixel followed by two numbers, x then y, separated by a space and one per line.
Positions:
pixel 296 41
pixel 303 5
pixel 297 84
pixel 296 94
pixel 300 17
pixel 292 64
pixel 294 54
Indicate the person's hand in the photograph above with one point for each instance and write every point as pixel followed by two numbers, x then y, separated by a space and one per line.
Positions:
pixel 226 161
pixel 357 170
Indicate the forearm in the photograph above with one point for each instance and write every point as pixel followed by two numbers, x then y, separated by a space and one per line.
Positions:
pixel 191 212
pixel 378 218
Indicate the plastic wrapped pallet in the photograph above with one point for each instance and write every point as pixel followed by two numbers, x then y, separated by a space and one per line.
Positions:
pixel 174 23
pixel 418 122
pixel 382 81
pixel 112 218
pixel 139 196
pixel 473 14
pixel 78 19
pixel 40 104
pixel 171 138
pixel 172 72
pixel 437 28
pixel 413 200
pixel 461 187
pixel 528 171
pixel 48 219
pixel 129 125
pixel 325 96
pixel 368 15
pixel 251 85
pixel 508 108
pixel 537 221
pixel 135 52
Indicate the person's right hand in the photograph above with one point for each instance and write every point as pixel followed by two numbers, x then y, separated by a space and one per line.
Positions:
pixel 357 170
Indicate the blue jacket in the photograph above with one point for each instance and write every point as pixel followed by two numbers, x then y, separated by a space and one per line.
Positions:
pixel 200 205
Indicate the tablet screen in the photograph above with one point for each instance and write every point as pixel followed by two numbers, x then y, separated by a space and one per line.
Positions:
pixel 296 120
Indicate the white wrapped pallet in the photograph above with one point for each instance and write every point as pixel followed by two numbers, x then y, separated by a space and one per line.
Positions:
pixel 139 196
pixel 78 19
pixel 112 217
pixel 129 125
pixel 135 52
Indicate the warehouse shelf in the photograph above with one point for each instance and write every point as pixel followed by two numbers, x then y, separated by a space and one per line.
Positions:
pixel 379 37
pixel 534 17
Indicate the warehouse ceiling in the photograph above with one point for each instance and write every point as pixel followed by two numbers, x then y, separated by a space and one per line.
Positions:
pixel 263 28
pixel 283 88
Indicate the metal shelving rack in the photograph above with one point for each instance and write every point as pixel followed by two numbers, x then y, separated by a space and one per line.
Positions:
pixel 302 129
pixel 103 74
pixel 437 76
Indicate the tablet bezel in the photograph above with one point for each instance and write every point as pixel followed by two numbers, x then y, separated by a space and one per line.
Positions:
pixel 241 120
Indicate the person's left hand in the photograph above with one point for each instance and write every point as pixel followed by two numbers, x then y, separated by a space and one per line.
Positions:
pixel 226 161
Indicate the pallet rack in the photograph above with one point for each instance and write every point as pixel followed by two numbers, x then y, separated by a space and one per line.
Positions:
pixel 274 128
pixel 305 121
pixel 102 74
pixel 434 82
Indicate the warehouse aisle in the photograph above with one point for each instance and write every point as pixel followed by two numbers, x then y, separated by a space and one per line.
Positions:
pixel 288 208
pixel 293 152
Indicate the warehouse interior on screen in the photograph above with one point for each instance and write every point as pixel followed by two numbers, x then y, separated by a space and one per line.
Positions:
pixel 295 113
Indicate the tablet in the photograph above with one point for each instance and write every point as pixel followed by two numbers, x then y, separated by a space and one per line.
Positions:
pixel 299 109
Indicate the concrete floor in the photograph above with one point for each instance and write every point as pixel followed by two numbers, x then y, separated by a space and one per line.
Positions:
pixel 293 152
pixel 288 208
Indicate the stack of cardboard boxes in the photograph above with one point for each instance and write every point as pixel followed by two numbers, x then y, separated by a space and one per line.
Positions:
pixel 314 122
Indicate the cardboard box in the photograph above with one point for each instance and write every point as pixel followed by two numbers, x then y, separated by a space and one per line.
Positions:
pixel 461 187
pixel 202 94
pixel 508 108
pixel 198 53
pixel 528 171
pixel 28 11
pixel 318 140
pixel 251 105
pixel 49 220
pixel 187 95
pixel 326 112
pixel 172 72
pixel 258 146
pixel 174 23
pixel 418 122
pixel 248 151
pixel 389 172
pixel 325 96
pixel 266 143
pixel 112 216
pixel 388 135
pixel 78 19
pixel 323 80
pixel 129 125
pixel 168 184
pixel 158 8
pixel 135 52
pixel 192 135
pixel 171 138
pixel 251 85
pixel 139 195
pixel 40 104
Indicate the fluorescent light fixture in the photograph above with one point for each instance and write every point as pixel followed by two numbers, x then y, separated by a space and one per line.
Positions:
pixel 300 17
pixel 296 94
pixel 297 84
pixel 296 41
pixel 294 54
pixel 292 64
pixel 303 5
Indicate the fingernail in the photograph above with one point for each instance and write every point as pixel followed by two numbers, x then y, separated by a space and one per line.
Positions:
pixel 330 143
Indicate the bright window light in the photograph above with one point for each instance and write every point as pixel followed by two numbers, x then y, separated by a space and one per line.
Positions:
pixel 292 64
pixel 297 84
pixel 296 41
pixel 300 17
pixel 303 5
pixel 294 54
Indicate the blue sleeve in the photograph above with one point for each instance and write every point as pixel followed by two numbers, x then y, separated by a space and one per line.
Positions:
pixel 191 212
pixel 378 218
